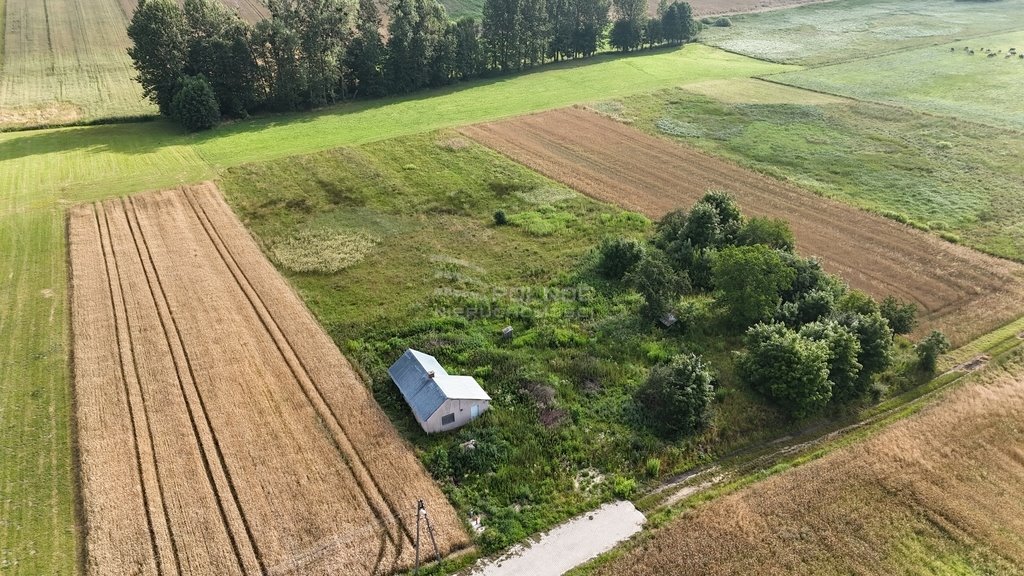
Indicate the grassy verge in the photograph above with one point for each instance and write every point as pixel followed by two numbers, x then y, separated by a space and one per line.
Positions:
pixel 960 180
pixel 36 497
pixel 842 31
pixel 945 79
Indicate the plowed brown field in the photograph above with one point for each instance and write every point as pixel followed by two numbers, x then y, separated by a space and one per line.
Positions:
pixel 936 493
pixel 960 291
pixel 220 430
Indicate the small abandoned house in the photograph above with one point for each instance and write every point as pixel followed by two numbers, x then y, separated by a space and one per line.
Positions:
pixel 439 401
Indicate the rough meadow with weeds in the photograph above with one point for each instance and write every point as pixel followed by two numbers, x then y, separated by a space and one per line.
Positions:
pixel 564 432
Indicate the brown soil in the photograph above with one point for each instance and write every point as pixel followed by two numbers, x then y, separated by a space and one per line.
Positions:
pixel 220 429
pixel 252 11
pixel 936 492
pixel 960 291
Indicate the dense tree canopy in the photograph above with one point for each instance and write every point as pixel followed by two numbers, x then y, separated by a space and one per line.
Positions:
pixel 788 368
pixel 750 281
pixel 676 397
pixel 314 52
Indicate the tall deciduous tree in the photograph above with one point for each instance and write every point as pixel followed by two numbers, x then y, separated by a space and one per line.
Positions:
pixel 786 367
pixel 501 32
pixel 631 19
pixel 159 50
pixel 470 60
pixel 400 69
pixel 219 50
pixel 364 58
pixel 750 281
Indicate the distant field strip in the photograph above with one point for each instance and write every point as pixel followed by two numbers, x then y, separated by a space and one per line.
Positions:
pixel 846 30
pixel 251 11
pixel 220 429
pixel 948 79
pixel 936 493
pixel 960 291
pixel 64 61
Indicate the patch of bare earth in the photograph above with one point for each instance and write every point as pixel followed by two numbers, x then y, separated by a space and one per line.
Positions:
pixel 940 488
pixel 220 430
pixel 958 290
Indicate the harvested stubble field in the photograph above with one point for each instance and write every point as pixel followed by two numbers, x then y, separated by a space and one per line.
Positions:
pixel 960 291
pixel 220 430
pixel 936 493
pixel 66 61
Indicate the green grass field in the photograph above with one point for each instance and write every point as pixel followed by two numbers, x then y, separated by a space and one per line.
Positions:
pixel 460 8
pixel 82 163
pixel 849 29
pixel 43 171
pixel 952 177
pixel 66 61
pixel 935 80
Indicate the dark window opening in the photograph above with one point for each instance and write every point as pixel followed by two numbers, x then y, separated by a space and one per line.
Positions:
pixel 447 419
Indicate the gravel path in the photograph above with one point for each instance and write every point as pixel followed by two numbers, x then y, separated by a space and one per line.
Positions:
pixel 569 544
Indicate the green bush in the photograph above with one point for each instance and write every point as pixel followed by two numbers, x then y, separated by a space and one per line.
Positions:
pixel 723 22
pixel 750 281
pixel 902 317
pixel 930 348
pixel 500 218
pixel 623 487
pixel 788 368
pixel 676 397
pixel 195 105
pixel 653 467
pixel 618 256
pixel 771 232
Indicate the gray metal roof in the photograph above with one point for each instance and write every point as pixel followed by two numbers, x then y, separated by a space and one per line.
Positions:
pixel 426 392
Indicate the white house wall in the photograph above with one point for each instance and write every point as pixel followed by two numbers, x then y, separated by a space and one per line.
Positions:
pixel 462 410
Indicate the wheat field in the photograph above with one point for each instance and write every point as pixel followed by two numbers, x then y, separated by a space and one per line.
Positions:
pixel 220 430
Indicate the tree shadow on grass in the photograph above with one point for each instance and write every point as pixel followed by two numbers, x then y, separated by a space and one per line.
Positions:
pixel 151 136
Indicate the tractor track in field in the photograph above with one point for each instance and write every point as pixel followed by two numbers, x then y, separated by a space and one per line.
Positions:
pixel 204 365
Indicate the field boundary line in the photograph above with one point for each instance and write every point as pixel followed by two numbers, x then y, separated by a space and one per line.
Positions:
pixel 222 469
pixel 346 448
pixel 142 396
pixel 107 257
pixel 74 434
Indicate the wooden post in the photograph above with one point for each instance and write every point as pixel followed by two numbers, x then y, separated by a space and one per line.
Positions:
pixel 419 508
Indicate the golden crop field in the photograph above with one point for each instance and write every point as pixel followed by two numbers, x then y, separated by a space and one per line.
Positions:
pixel 220 429
pixel 935 493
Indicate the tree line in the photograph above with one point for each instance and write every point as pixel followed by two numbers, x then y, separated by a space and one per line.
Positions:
pixel 199 62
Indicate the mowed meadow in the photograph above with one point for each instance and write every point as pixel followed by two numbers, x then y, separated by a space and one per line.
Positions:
pixel 832 32
pixel 44 171
pixel 66 61
pixel 977 79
